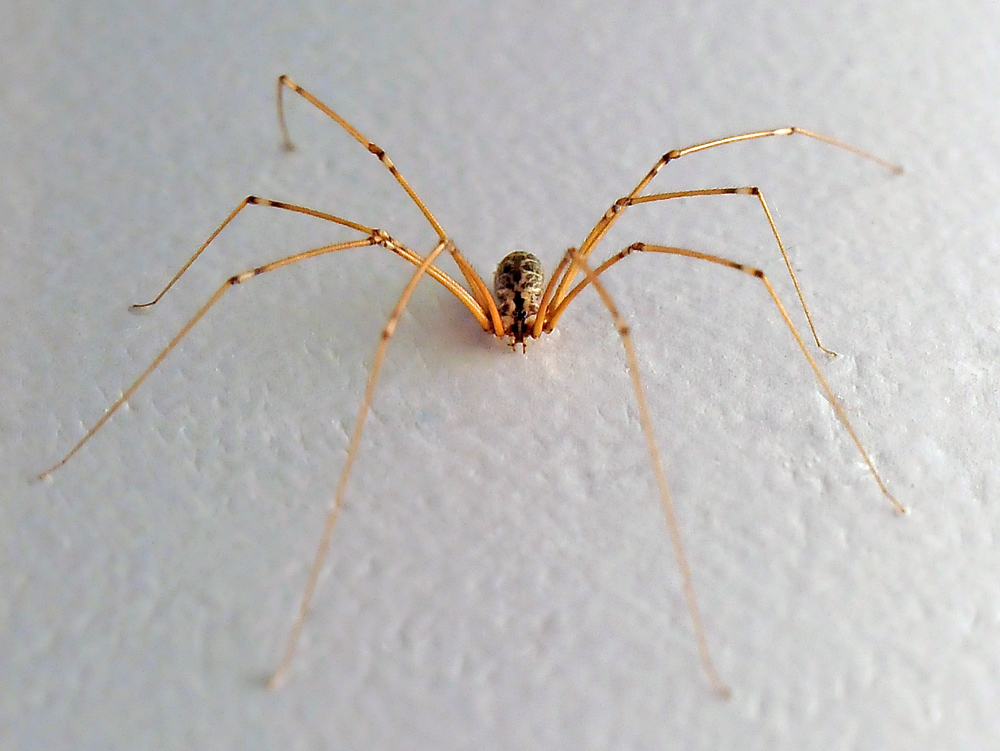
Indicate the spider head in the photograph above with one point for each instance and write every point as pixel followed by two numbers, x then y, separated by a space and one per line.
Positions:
pixel 518 285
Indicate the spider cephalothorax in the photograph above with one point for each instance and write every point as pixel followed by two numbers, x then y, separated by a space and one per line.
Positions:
pixel 518 284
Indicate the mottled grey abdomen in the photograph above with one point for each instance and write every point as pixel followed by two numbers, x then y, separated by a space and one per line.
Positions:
pixel 518 284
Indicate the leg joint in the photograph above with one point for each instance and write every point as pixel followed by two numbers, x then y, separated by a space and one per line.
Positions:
pixel 240 278
pixel 382 239
pixel 616 208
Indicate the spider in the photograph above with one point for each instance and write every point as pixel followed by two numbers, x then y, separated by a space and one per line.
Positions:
pixel 522 307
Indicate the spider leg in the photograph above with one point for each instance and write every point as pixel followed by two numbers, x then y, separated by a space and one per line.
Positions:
pixel 352 451
pixel 749 190
pixel 612 214
pixel 255 200
pixel 479 288
pixel 448 282
pixel 376 237
pixel 373 148
pixel 757 273
pixel 661 477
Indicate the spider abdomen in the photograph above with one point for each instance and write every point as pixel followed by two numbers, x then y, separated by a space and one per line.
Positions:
pixel 518 284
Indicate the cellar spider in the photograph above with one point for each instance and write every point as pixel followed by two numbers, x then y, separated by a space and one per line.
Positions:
pixel 525 307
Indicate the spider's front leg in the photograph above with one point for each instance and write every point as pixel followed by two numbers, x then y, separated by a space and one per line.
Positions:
pixel 475 282
pixel 618 207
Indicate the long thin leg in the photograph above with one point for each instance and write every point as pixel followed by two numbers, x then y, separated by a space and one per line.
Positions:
pixel 661 480
pixel 754 272
pixel 377 237
pixel 750 190
pixel 545 303
pixel 255 200
pixel 479 288
pixel 231 281
pixel 373 148
pixel 396 248
pixel 612 214
pixel 352 452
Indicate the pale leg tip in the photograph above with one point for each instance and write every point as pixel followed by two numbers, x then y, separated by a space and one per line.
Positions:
pixel 45 476
pixel 718 685
pixel 276 681
pixel 899 507
pixel 723 691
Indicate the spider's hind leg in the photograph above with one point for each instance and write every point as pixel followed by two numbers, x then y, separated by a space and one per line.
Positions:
pixel 757 274
pixel 280 674
pixel 673 527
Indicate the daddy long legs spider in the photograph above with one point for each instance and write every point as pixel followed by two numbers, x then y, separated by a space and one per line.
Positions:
pixel 522 306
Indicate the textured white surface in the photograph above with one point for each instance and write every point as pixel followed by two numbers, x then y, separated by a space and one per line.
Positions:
pixel 501 576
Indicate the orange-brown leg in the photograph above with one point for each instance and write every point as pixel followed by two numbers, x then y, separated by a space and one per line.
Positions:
pixel 758 274
pixel 687 580
pixel 352 452
pixel 478 286
pixel 377 237
pixel 616 209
